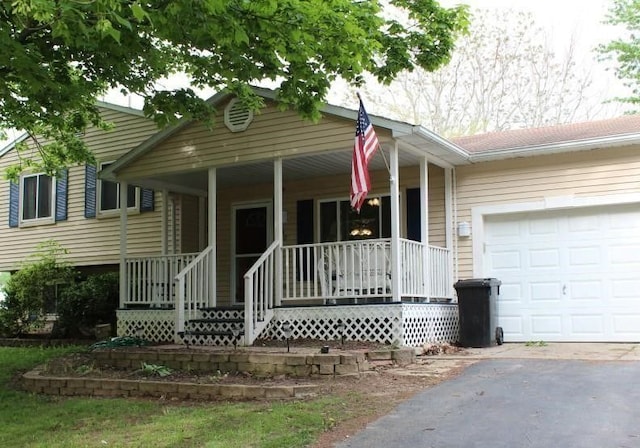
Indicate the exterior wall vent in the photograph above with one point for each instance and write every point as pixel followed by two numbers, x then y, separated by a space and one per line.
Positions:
pixel 237 117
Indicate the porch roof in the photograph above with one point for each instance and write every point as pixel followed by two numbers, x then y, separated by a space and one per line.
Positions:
pixel 415 142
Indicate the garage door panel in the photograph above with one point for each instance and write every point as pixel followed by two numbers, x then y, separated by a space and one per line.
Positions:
pixel 543 226
pixel 625 288
pixel 585 256
pixel 513 327
pixel 626 324
pixel 506 260
pixel 587 325
pixel 547 292
pixel 567 275
pixel 586 291
pixel 544 258
pixel 510 293
pixel 625 254
pixel 546 326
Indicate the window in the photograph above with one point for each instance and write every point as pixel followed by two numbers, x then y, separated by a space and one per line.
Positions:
pixel 37 193
pixel 109 194
pixel 339 222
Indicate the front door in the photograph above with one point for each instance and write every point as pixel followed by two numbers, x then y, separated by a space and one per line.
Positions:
pixel 252 235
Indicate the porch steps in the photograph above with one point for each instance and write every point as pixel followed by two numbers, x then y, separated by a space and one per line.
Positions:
pixel 215 327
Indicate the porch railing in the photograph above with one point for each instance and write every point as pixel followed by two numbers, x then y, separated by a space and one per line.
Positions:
pixel 150 280
pixel 260 293
pixel 362 270
pixel 194 287
pixel 337 270
pixel 441 277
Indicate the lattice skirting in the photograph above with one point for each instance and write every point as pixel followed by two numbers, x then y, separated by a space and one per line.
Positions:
pixel 157 325
pixel 404 324
pixel 424 323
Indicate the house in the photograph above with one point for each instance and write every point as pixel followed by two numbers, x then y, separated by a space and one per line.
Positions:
pixel 77 210
pixel 251 234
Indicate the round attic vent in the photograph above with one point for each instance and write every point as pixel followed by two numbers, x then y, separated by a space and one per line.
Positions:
pixel 237 117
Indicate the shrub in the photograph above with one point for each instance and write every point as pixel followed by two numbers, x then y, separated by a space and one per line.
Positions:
pixel 85 304
pixel 31 289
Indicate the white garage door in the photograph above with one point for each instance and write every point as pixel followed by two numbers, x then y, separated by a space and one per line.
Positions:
pixel 571 275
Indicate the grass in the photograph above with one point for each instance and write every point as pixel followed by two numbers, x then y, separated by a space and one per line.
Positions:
pixel 42 421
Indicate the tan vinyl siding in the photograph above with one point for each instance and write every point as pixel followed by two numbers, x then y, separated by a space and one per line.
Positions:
pixel 89 241
pixel 333 187
pixel 582 174
pixel 272 133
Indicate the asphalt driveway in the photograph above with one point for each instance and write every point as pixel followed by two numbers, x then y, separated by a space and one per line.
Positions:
pixel 515 403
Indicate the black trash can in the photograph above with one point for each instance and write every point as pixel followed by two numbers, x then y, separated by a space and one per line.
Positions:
pixel 477 300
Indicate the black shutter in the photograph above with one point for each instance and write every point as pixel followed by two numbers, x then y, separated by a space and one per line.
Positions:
pixel 304 235
pixel 61 195
pixel 90 191
pixel 14 206
pixel 413 214
pixel 147 200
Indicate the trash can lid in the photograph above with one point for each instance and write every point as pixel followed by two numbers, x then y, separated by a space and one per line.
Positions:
pixel 477 282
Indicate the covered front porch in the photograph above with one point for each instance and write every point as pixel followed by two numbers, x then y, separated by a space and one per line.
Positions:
pixel 247 239
pixel 253 285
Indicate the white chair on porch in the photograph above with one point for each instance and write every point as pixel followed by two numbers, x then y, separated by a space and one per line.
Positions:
pixel 362 271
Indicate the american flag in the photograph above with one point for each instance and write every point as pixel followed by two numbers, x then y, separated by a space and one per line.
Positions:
pixel 365 146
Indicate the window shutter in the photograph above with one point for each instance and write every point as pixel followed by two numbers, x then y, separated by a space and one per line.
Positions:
pixel 90 191
pixel 14 206
pixel 147 200
pixel 304 235
pixel 413 214
pixel 61 195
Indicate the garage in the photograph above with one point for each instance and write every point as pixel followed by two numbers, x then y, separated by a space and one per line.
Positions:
pixel 567 275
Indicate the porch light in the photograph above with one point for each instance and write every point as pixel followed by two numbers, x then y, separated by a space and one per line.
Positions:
pixel 374 202
pixel 287 329
pixel 342 328
pixel 464 229
pixel 235 331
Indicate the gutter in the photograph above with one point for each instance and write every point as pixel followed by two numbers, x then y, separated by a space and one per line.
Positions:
pixel 555 148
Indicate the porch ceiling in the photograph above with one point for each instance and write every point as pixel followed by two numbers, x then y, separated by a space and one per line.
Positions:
pixel 308 166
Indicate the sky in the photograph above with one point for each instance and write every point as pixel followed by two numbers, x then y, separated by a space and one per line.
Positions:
pixel 562 19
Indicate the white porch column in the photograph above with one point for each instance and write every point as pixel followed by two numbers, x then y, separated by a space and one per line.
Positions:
pixel 278 225
pixel 396 269
pixel 164 228
pixel 212 229
pixel 424 225
pixel 202 222
pixel 449 224
pixel 123 244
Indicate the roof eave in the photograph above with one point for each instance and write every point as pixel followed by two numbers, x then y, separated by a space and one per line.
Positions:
pixel 555 148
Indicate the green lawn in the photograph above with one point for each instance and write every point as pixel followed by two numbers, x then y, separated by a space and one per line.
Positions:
pixel 42 421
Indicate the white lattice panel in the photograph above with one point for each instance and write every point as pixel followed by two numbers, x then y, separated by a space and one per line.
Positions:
pixel 429 323
pixel 377 323
pixel 222 313
pixel 157 325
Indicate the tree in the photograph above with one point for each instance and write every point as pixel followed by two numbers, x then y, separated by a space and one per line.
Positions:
pixel 626 50
pixel 502 75
pixel 59 55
